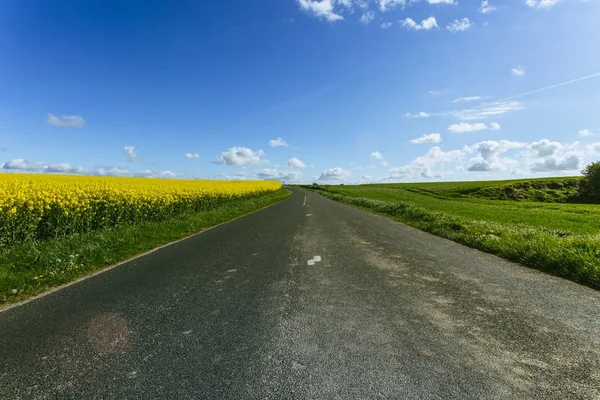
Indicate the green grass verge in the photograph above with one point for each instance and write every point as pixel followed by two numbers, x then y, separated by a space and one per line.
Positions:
pixel 30 268
pixel 561 253
pixel 455 198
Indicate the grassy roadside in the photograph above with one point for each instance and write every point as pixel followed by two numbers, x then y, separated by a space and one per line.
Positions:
pixel 30 268
pixel 565 254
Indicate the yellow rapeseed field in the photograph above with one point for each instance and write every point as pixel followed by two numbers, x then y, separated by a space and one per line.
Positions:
pixel 43 206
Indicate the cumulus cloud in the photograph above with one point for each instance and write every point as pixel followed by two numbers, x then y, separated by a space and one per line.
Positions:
pixel 544 148
pixel 486 8
pixel 241 157
pixel 518 71
pixel 545 155
pixel 192 156
pixel 130 153
pixel 333 174
pixel 295 163
pixel 585 133
pixel 459 25
pixel 71 121
pixel 322 9
pixel 422 114
pixel 20 164
pixel 279 142
pixel 274 174
pixel 463 127
pixel 424 166
pixel 428 138
pixel 488 158
pixel 386 25
pixel 568 162
pixel 426 24
pixel 376 155
pixel 542 3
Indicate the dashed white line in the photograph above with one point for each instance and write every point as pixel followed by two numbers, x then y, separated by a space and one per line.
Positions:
pixel 313 260
pixel 304 205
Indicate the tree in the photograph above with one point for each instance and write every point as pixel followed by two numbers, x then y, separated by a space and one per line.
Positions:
pixel 589 188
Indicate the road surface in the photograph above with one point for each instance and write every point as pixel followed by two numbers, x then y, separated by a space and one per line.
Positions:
pixel 307 299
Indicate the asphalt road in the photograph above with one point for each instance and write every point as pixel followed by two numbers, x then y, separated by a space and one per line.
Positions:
pixel 389 312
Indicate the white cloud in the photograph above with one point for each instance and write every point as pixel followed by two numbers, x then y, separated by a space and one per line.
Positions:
pixel 422 114
pixel 568 162
pixel 20 164
pixel 376 155
pixel 192 156
pixel 441 2
pixel 426 24
pixel 367 17
pixel 594 148
pixel 486 8
pixel 428 138
pixel 545 155
pixel 130 153
pixel 273 174
pixel 424 166
pixel 470 98
pixel 487 110
pixel 459 25
pixel 467 127
pixel 241 157
pixel 279 142
pixel 386 5
pixel 72 121
pixel 489 158
pixel 585 133
pixel 295 163
pixel 544 148
pixel 110 171
pixel 322 9
pixel 542 3
pixel 518 71
pixel 386 25
pixel 334 174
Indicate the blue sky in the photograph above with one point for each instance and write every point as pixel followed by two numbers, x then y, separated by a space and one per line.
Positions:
pixel 300 90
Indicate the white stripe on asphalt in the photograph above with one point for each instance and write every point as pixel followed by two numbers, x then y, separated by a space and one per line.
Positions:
pixel 304 205
pixel 313 260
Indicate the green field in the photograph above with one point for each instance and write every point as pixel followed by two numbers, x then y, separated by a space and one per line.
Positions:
pixel 553 235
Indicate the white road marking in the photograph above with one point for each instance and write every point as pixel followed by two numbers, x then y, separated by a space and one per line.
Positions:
pixel 304 205
pixel 313 260
pixel 308 215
